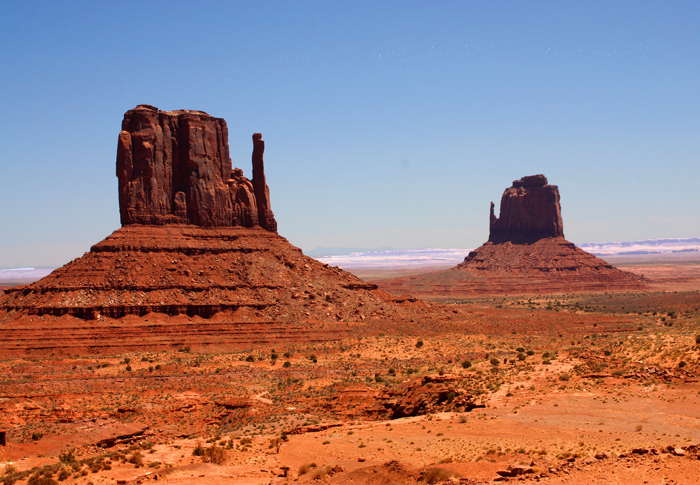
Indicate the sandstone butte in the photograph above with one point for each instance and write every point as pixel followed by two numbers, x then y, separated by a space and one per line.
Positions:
pixel 526 253
pixel 198 239
pixel 174 168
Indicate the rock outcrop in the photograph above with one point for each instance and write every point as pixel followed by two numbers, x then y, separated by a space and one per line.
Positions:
pixel 198 242
pixel 530 211
pixel 184 269
pixel 526 254
pixel 174 168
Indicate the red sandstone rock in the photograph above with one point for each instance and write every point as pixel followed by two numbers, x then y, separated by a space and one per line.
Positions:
pixel 175 183
pixel 262 192
pixel 526 254
pixel 174 167
pixel 527 249
pixel 530 211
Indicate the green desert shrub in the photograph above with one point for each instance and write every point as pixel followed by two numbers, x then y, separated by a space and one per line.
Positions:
pixel 136 459
pixel 212 454
pixel 306 468
pixel 435 475
pixel 41 480
pixel 67 457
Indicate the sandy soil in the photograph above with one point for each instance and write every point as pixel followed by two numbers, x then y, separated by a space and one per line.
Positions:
pixel 560 389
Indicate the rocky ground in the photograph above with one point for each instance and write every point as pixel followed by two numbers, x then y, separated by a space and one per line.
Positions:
pixel 598 388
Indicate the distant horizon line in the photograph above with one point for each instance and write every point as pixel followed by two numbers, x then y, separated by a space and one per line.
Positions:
pixel 375 258
pixel 388 256
pixel 337 250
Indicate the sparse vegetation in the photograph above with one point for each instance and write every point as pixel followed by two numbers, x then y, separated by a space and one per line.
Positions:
pixel 136 459
pixel 304 469
pixel 211 454
pixel 354 377
pixel 435 475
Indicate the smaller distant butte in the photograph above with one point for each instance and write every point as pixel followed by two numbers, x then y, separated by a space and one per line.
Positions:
pixel 198 241
pixel 526 253
pixel 530 211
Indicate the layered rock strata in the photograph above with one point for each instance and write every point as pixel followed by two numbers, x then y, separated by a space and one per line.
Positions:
pixel 186 269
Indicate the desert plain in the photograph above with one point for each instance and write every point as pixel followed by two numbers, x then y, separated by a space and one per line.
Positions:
pixel 597 387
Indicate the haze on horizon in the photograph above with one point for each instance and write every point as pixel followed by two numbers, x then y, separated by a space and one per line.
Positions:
pixel 389 125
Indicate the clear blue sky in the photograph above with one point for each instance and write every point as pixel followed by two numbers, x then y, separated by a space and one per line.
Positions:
pixel 387 123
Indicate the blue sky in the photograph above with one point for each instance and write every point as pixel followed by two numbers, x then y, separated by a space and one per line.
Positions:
pixel 388 124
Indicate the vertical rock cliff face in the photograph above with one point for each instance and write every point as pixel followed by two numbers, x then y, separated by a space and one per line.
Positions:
pixel 174 167
pixel 530 211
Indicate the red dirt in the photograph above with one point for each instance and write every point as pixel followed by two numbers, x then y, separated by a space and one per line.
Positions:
pixel 602 398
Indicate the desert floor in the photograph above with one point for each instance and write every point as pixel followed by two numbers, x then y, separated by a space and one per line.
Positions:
pixel 597 388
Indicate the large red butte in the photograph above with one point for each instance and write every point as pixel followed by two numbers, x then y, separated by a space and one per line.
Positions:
pixel 198 238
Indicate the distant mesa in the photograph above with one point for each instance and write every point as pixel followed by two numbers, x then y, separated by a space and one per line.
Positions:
pixel 530 211
pixel 198 239
pixel 526 253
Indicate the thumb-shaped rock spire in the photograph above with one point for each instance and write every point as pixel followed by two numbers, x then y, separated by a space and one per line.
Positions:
pixel 262 192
